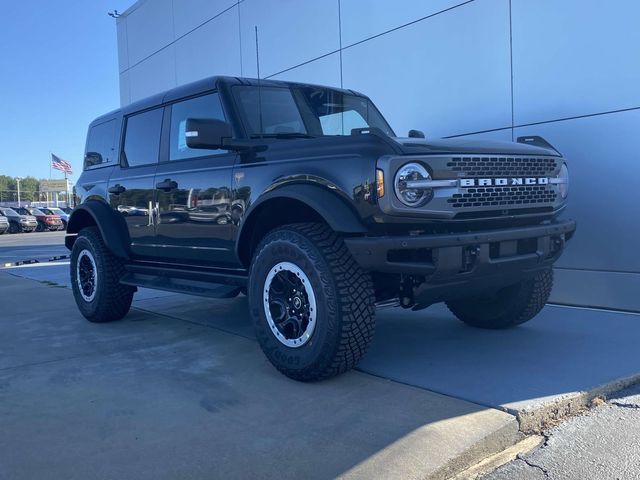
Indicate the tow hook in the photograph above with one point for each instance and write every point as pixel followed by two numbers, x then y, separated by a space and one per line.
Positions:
pixel 469 257
pixel 557 245
pixel 406 292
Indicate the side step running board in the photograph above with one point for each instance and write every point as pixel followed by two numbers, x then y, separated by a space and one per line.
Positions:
pixel 193 282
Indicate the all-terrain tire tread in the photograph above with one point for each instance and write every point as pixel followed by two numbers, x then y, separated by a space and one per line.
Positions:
pixel 355 297
pixel 115 300
pixel 526 304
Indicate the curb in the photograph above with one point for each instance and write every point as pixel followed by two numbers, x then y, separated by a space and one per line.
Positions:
pixel 34 260
pixel 536 419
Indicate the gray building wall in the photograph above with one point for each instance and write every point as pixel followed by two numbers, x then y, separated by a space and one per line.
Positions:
pixel 567 70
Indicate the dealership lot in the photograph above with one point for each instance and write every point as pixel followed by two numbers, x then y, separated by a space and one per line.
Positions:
pixel 180 387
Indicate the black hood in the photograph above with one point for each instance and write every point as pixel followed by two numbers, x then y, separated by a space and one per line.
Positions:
pixel 416 146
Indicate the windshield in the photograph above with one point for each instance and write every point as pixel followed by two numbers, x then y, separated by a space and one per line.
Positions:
pixel 35 211
pixel 302 111
pixel 56 211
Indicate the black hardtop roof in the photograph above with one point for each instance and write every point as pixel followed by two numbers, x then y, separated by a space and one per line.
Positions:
pixel 201 86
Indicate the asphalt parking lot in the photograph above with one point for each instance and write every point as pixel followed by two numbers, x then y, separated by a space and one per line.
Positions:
pixel 180 389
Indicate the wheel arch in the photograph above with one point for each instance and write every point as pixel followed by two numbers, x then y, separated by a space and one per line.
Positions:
pixel 112 227
pixel 294 203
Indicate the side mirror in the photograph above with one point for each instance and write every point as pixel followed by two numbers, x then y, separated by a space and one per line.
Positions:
pixel 416 134
pixel 206 133
pixel 92 158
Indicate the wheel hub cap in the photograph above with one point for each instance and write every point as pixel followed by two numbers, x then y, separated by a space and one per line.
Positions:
pixel 289 304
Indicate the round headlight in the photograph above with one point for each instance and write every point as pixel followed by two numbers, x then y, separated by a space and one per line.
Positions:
pixel 563 176
pixel 412 197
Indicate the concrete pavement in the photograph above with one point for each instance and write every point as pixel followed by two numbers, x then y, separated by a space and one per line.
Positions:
pixel 540 372
pixel 155 397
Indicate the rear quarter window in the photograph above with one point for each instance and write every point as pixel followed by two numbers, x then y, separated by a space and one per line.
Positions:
pixel 101 144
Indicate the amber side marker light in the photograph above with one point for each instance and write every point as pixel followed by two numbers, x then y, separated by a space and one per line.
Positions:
pixel 380 183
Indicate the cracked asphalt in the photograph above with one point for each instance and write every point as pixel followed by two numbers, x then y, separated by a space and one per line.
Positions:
pixel 603 443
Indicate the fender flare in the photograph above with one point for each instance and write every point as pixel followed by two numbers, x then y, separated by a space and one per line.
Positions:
pixel 112 226
pixel 338 214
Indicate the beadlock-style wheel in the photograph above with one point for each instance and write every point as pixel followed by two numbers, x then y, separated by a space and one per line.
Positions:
pixel 87 275
pixel 289 304
pixel 95 279
pixel 312 305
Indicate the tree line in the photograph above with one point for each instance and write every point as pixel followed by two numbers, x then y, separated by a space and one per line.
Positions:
pixel 29 189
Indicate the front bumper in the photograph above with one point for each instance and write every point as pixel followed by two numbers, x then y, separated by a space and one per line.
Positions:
pixel 459 257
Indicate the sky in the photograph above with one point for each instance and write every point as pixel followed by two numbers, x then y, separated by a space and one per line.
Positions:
pixel 58 71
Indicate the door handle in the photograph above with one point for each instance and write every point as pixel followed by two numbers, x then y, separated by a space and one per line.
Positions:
pixel 117 189
pixel 167 185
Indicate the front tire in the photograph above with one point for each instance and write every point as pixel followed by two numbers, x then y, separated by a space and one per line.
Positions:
pixel 312 305
pixel 15 228
pixel 95 279
pixel 41 227
pixel 508 307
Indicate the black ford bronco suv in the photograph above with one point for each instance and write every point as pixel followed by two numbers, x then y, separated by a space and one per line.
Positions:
pixel 303 198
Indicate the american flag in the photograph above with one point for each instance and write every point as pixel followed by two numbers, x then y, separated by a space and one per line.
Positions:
pixel 59 164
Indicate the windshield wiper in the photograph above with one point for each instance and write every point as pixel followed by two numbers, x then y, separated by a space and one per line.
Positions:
pixel 282 135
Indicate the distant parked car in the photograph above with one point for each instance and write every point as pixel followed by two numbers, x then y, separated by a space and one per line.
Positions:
pixel 4 224
pixel 67 210
pixel 45 221
pixel 64 216
pixel 19 223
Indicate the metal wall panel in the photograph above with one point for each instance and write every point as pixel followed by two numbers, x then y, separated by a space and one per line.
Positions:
pixel 149 28
pixel 125 95
pixel 574 57
pixel 446 75
pixel 123 45
pixel 212 49
pixel 189 14
pixel 297 33
pixel 603 195
pixel 155 74
pixel 361 20
pixel 324 71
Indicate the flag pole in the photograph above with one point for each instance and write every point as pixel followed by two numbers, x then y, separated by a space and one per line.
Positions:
pixel 50 164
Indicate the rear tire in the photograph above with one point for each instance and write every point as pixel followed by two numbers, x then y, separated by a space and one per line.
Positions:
pixel 95 279
pixel 508 307
pixel 311 303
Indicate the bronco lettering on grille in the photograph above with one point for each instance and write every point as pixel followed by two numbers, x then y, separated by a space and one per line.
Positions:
pixel 501 182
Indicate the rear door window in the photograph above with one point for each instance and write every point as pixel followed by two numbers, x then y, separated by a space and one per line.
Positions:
pixel 142 138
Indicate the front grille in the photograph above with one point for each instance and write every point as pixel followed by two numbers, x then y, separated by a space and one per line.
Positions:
pixel 497 196
pixel 503 166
